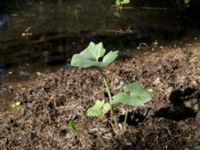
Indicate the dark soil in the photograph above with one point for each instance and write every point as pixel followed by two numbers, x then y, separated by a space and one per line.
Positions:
pixel 169 122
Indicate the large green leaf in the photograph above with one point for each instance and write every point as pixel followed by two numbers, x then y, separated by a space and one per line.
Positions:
pixel 91 55
pixel 133 94
pixel 100 108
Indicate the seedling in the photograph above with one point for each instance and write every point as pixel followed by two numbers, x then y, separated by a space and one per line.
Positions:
pixel 72 127
pixel 133 94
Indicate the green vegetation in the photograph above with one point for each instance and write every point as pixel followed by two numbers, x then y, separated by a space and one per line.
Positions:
pixel 72 127
pixel 91 55
pixel 100 108
pixel 133 94
pixel 122 2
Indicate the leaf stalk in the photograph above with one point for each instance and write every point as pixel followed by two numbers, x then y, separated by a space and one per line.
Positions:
pixel 110 100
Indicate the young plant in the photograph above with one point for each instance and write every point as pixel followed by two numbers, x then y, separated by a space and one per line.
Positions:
pixel 133 94
pixel 90 58
pixel 72 127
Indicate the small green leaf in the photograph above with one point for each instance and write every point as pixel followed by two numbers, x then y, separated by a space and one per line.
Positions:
pixel 106 108
pixel 125 2
pixel 133 94
pixel 72 127
pixel 91 55
pixel 186 1
pixel 98 109
pixel 15 104
pixel 122 2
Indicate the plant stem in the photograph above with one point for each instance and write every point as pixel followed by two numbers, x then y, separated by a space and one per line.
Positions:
pixel 125 119
pixel 108 90
pixel 110 100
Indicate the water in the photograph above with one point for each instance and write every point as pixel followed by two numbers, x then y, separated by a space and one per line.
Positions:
pixel 39 34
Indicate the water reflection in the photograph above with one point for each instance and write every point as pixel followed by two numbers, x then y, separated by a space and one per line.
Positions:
pixel 3 19
pixel 43 33
pixel 2 69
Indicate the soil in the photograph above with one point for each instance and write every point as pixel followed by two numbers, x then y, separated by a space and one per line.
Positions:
pixel 170 121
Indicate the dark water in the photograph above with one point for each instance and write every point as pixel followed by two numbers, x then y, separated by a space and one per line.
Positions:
pixel 46 33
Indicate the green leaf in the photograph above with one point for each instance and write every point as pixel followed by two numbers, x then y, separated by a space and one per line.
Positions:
pixel 72 126
pixel 186 1
pixel 125 1
pixel 94 51
pixel 122 2
pixel 110 57
pixel 133 94
pixel 91 55
pixel 106 108
pixel 98 109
